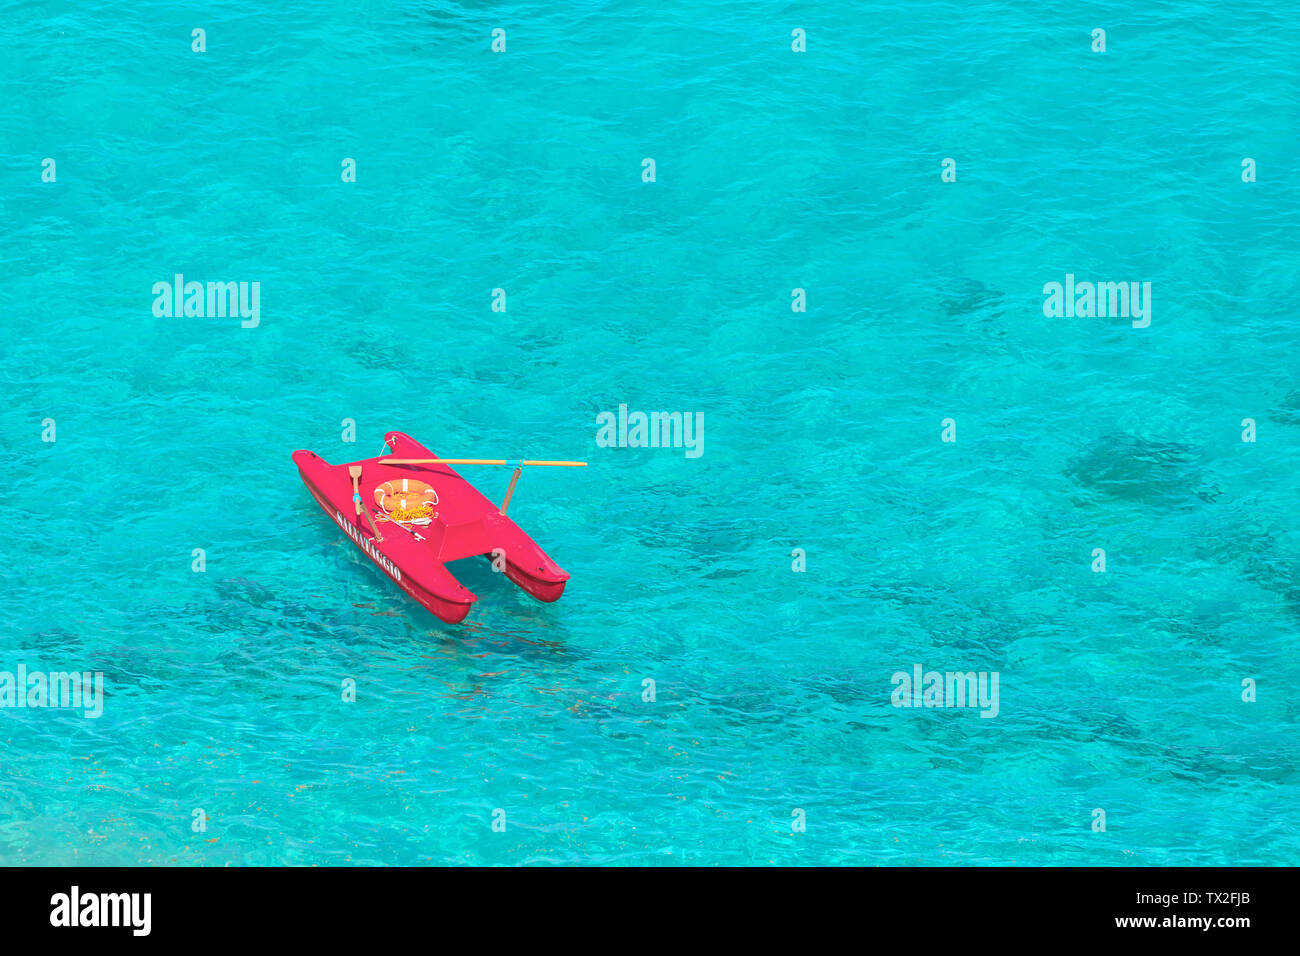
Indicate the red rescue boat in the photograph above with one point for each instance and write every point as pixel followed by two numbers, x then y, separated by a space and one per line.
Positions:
pixel 411 519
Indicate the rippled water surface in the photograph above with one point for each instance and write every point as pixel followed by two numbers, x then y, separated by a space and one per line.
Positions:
pixel 775 170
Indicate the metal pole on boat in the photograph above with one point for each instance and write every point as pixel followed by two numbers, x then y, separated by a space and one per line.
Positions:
pixel 511 490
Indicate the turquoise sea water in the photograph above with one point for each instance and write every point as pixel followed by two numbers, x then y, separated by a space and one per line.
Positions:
pixel 775 170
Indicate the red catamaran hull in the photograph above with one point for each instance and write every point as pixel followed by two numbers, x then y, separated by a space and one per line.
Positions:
pixel 467 524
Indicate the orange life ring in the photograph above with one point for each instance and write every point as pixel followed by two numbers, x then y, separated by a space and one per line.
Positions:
pixel 405 494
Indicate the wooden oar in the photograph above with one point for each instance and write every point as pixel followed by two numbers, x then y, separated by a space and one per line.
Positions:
pixel 355 472
pixel 475 461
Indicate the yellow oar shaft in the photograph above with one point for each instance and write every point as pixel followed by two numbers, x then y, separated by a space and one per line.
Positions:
pixel 476 461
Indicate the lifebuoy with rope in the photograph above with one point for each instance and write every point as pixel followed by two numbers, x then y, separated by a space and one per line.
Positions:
pixel 405 498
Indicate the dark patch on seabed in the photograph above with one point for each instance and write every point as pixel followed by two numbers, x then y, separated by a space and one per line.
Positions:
pixel 1129 467
pixel 709 540
pixel 1287 411
pixel 975 622
pixel 1264 557
pixel 970 296
pixel 442 13
pixel 1205 765
pixel 55 643
pixel 367 356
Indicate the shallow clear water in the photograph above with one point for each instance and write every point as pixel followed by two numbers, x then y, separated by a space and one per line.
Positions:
pixel 775 170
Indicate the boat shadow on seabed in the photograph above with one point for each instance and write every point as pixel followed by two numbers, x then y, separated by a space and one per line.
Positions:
pixel 509 624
